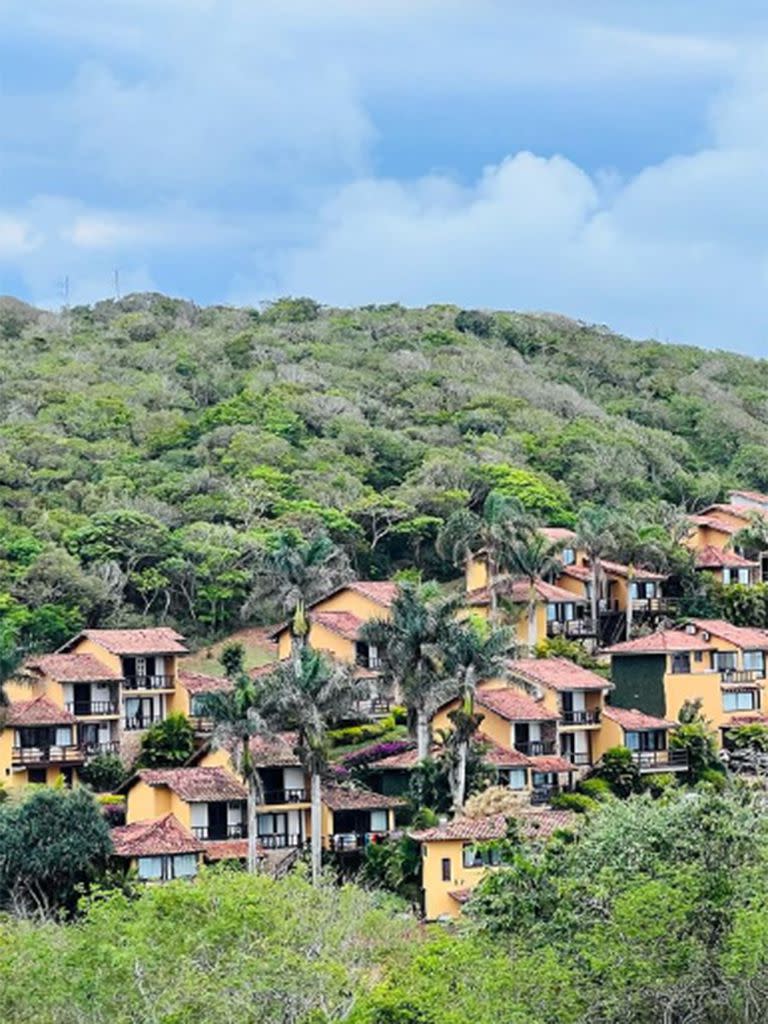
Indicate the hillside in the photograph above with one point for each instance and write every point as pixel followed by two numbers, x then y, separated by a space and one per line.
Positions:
pixel 149 447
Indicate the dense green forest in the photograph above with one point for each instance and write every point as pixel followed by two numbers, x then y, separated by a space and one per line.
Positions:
pixel 649 911
pixel 151 450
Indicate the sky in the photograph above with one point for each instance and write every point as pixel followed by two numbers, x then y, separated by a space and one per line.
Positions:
pixel 604 159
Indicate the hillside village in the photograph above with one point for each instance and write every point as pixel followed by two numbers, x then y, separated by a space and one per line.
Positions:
pixel 598 663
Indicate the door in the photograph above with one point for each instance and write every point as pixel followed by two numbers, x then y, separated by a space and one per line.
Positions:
pixel 138 712
pixel 217 820
pixel 82 695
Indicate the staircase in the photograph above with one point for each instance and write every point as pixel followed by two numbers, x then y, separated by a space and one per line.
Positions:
pixel 612 628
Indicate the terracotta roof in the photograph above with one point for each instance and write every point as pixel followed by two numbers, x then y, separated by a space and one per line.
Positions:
pixel 750 496
pixel 518 591
pixel 711 557
pixel 344 623
pixel 195 683
pixel 584 573
pixel 495 753
pixel 661 642
pixel 558 674
pixel 196 784
pixel 754 719
pixel 729 509
pixel 515 706
pixel 40 711
pixel 460 895
pixel 631 718
pixel 226 849
pixel 158 640
pixel 746 637
pixel 154 838
pixel 558 534
pixel 275 752
pixel 551 763
pixel 72 668
pixel 383 592
pixel 533 822
pixel 713 524
pixel 344 798
pixel 543 822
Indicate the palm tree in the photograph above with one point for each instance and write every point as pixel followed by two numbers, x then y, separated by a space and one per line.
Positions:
pixel 636 543
pixel 491 532
pixel 308 694
pixel 533 556
pixel 474 652
pixel 239 715
pixel 414 644
pixel 297 572
pixel 595 534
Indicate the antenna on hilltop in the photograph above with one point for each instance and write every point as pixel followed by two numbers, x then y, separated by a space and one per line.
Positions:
pixel 117 284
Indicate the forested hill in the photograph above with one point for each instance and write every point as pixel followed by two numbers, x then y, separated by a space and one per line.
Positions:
pixel 149 447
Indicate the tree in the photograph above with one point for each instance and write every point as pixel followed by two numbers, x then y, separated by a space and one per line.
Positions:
pixel 415 643
pixel 52 842
pixel 308 694
pixel 595 533
pixel 104 773
pixel 167 744
pixel 233 659
pixel 639 544
pixel 532 556
pixel 474 651
pixel 694 735
pixel 490 533
pixel 620 771
pixel 239 715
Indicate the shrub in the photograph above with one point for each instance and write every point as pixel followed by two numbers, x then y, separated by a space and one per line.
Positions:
pixel 619 770
pixel 104 773
pixel 376 752
pixel 167 744
pixel 400 714
pixel 597 789
pixel 660 783
pixel 473 321
pixel 579 803
pixel 290 310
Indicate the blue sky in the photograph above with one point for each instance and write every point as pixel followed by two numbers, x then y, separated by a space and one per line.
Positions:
pixel 606 160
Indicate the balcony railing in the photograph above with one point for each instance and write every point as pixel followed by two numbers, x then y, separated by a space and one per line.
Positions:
pixel 238 830
pixel 543 794
pixel 571 628
pixel 660 760
pixel 372 707
pixel 581 759
pixel 740 676
pixel 343 842
pixel 135 723
pixel 201 724
pixel 83 708
pixel 654 605
pixel 370 661
pixel 149 682
pixel 109 747
pixel 580 717
pixel 47 755
pixel 285 796
pixel 280 842
pixel 536 748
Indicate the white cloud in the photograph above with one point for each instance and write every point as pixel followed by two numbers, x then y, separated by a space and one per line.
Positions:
pixel 16 237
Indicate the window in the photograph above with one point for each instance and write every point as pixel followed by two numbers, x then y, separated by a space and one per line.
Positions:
pixel 445 868
pixel 551 612
pixel 379 821
pixel 632 740
pixel 475 857
pixel 650 590
pixel 184 865
pixel 755 661
pixel 725 660
pixel 634 591
pixel 37 776
pixel 150 868
pixel 64 736
pixel 743 700
pixel 681 664
pixel 744 575
pixel 568 556
pixel 516 778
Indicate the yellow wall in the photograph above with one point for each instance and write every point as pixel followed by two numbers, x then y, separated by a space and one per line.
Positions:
pixel 323 639
pixel 609 735
pixel 437 902
pixel 476 574
pixel 573 585
pixel 86 646
pixel 704 536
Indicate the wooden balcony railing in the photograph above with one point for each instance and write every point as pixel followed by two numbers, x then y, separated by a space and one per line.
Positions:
pixel 577 757
pixel 83 708
pixel 740 676
pixel 660 760
pixel 571 628
pixel 285 796
pixel 48 755
pixel 654 605
pixel 581 717
pixel 282 841
pixel 136 723
pixel 94 749
pixel 536 748
pixel 149 682
pixel 344 842
pixel 238 830
pixel 543 794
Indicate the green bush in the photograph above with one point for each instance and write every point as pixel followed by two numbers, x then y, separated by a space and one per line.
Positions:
pixel 400 714
pixel 659 783
pixel 579 803
pixel 474 321
pixel 104 773
pixel 597 789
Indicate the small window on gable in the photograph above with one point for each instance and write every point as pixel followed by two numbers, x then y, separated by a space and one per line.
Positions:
pixel 698 655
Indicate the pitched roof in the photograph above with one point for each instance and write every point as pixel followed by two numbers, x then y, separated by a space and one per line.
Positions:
pixel 631 718
pixel 584 572
pixel 345 798
pixel 750 496
pixel 534 822
pixel 195 683
pixel 276 751
pixel 494 753
pixel 730 509
pixel 383 592
pixel 756 718
pixel 551 763
pixel 40 711
pixel 747 637
pixel 158 640
pixel 344 623
pixel 518 591
pixel 515 706
pixel 557 534
pixel 72 668
pixel 713 524
pixel 153 838
pixel 196 784
pixel 710 557
pixel 226 849
pixel 558 674
pixel 542 822
pixel 661 642
pixel 460 895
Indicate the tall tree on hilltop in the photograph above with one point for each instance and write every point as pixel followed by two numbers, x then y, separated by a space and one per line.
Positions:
pixel 414 643
pixel 489 533
pixel 308 694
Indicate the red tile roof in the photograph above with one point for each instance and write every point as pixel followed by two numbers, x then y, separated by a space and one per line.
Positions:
pixel 711 557
pixel 558 674
pixel 534 822
pixel 226 849
pixel 661 642
pixel 754 719
pixel 40 711
pixel 515 706
pixel 383 592
pixel 632 719
pixel 72 668
pixel 745 637
pixel 196 784
pixel 158 640
pixel 494 753
pixel 551 763
pixel 154 838
pixel 518 591
pixel 584 573
pixel 196 682
pixel 542 822
pixel 345 798
pixel 460 895
pixel 713 524
pixel 276 751
pixel 729 509
pixel 750 496
pixel 558 534
pixel 345 624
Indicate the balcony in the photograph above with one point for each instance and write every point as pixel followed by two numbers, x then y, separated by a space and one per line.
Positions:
pixel 580 717
pixel 740 677
pixel 661 760
pixel 95 749
pixel 47 755
pixel 375 707
pixel 571 628
pixel 346 842
pixel 285 796
pixel 136 723
pixel 86 708
pixel 654 605
pixel 543 794
pixel 238 830
pixel 281 841
pixel 201 725
pixel 149 682
pixel 579 758
pixel 536 748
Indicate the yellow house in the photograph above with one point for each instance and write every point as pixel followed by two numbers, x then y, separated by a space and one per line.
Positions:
pixel 710 660
pixel 39 743
pixel 456 856
pixel 574 694
pixel 645 735
pixel 727 566
pixel 158 850
pixel 187 697
pixel 352 818
pixel 710 531
pixel 619 584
